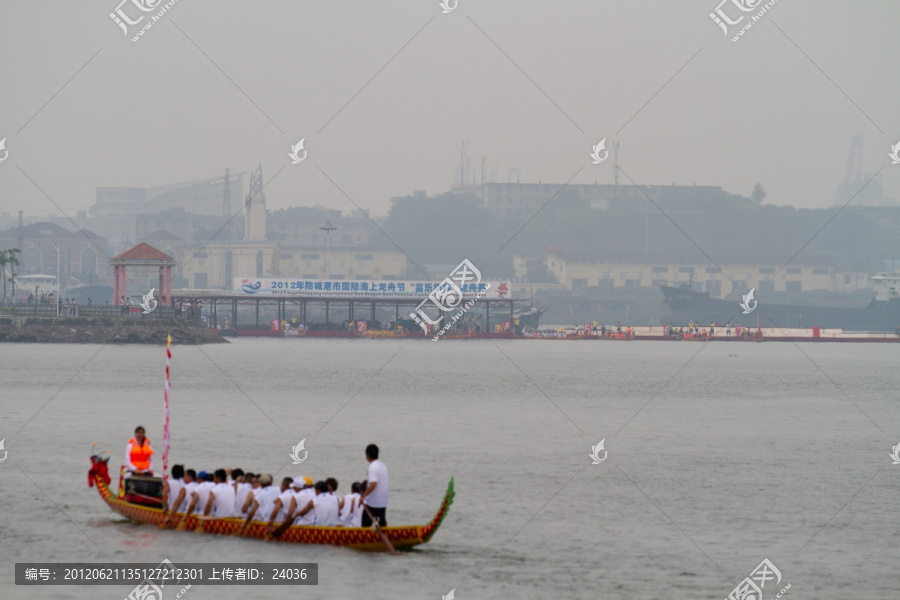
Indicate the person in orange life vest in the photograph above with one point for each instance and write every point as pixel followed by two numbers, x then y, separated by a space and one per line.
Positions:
pixel 139 454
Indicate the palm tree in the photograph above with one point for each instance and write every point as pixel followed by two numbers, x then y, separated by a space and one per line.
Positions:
pixel 9 257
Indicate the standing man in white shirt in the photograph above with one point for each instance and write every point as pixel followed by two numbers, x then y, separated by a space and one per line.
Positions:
pixel 375 496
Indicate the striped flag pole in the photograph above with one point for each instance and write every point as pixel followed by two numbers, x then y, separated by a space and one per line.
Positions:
pixel 165 456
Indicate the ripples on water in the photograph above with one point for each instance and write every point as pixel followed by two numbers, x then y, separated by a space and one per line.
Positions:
pixel 731 460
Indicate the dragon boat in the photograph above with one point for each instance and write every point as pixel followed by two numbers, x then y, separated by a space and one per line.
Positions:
pixel 146 509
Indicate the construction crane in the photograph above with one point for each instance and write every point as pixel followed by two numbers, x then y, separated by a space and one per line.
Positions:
pixel 857 184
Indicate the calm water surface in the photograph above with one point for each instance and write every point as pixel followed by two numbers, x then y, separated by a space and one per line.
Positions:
pixel 720 455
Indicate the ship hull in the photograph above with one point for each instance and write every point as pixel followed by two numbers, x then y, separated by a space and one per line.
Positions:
pixel 687 305
pixel 359 538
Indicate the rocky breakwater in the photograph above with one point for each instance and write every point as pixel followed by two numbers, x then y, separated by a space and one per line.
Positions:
pixel 105 331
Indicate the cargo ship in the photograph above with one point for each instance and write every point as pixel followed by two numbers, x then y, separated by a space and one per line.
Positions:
pixel 882 314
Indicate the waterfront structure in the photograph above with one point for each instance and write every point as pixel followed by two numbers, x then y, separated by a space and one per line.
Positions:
pixel 215 264
pixel 81 252
pixel 186 226
pixel 299 227
pixel 116 209
pixel 142 257
pixel 718 281
pixel 204 263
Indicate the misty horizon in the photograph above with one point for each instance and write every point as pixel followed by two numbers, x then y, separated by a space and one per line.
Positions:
pixel 186 103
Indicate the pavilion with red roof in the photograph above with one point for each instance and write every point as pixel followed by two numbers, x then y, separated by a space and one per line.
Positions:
pixel 142 255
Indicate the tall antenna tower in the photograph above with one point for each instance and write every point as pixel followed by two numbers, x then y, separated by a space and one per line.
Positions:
pixel 463 168
pixel 255 213
pixel 226 206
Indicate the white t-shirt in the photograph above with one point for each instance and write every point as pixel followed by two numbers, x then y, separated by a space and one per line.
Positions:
pixel 188 489
pixel 303 497
pixel 346 513
pixel 265 497
pixel 356 518
pixel 223 500
pixel 175 486
pixel 285 497
pixel 203 490
pixel 379 496
pixel 240 497
pixel 326 510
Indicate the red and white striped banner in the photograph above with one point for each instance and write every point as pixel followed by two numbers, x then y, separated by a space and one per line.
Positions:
pixel 166 437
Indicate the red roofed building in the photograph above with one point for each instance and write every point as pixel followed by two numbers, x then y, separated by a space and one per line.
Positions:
pixel 141 256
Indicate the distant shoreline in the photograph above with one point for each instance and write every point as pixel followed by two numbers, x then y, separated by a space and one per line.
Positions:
pixel 79 330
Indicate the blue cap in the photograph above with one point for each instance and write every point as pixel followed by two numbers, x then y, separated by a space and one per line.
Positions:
pixel 202 475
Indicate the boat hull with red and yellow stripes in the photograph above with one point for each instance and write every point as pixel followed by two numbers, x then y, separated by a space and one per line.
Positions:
pixel 359 538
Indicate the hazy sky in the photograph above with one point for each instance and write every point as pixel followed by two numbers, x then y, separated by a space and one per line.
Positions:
pixel 531 85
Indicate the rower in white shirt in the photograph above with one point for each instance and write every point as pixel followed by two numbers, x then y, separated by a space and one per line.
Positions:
pixel 303 493
pixel 332 484
pixel 235 476
pixel 172 486
pixel 200 497
pixel 253 479
pixel 222 496
pixel 184 499
pixel 219 498
pixel 325 506
pixel 242 490
pixel 350 506
pixel 190 486
pixel 173 493
pixel 204 489
pixel 280 505
pixel 262 499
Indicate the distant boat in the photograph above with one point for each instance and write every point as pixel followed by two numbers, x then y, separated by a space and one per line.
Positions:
pixel 530 318
pixel 882 314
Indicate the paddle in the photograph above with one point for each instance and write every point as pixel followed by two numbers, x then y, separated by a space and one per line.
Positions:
pixel 384 538
pixel 202 521
pixel 282 528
